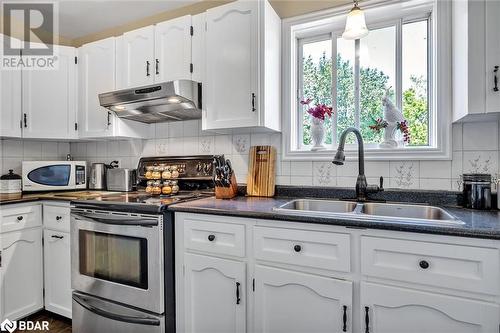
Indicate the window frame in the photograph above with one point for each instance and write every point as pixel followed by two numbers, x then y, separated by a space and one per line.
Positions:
pixel 329 24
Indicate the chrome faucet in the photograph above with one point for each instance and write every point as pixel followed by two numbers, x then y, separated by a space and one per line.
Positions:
pixel 362 187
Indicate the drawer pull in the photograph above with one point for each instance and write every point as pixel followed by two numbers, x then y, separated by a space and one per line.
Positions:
pixel 19 218
pixel 211 238
pixel 297 248
pixel 344 319
pixel 367 319
pixel 57 236
pixel 424 264
pixel 58 218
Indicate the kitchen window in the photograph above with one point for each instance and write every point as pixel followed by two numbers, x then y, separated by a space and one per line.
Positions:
pixel 397 59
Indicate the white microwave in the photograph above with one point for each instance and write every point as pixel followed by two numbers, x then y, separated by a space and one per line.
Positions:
pixel 54 175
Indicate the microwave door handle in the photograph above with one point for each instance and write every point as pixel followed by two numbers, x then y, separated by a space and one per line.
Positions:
pixel 117 221
pixel 114 316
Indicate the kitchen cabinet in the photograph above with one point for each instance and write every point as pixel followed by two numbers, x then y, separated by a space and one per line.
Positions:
pixel 96 74
pixel 394 310
pixel 137 53
pixel 57 268
pixel 288 301
pixel 215 299
pixel 242 86
pixel 22 284
pixel 198 47
pixel 319 278
pixel 173 49
pixel 475 52
pixel 50 110
pixel 10 101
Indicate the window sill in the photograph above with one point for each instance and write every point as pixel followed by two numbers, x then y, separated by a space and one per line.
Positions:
pixel 371 154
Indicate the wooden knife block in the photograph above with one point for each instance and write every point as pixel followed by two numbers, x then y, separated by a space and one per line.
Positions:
pixel 227 192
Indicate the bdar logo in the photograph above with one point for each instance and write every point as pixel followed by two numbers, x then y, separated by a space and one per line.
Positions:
pixel 8 325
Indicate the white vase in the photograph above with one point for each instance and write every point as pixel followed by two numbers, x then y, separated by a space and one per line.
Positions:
pixel 317 134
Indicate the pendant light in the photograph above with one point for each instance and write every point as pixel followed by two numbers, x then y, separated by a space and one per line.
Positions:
pixel 355 25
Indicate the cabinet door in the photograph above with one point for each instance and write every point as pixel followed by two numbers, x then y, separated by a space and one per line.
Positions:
pixel 395 310
pixel 492 56
pixel 173 50
pixel 10 101
pixel 137 55
pixel 215 291
pixel 198 50
pixel 288 301
pixel 57 264
pixel 50 109
pixel 232 66
pixel 96 74
pixel 22 287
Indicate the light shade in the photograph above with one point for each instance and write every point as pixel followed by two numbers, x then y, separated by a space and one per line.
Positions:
pixel 355 25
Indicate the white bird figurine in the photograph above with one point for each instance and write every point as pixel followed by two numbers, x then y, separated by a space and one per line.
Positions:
pixel 393 116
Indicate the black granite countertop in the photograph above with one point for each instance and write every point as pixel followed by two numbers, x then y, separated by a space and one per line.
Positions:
pixel 478 224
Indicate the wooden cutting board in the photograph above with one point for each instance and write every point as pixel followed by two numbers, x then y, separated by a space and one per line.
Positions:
pixel 261 171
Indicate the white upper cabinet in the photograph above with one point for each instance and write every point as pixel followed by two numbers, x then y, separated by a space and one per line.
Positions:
pixel 49 99
pixel 137 58
pixel 96 74
pixel 243 68
pixel 394 310
pixel 198 48
pixel 10 101
pixel 475 52
pixel 173 50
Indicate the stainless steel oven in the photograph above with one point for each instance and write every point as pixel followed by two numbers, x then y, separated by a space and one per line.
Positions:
pixel 119 257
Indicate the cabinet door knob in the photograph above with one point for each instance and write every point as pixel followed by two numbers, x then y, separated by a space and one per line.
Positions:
pixel 147 68
pixel 344 318
pixel 20 218
pixel 57 236
pixel 253 102
pixel 495 79
pixel 58 218
pixel 238 298
pixel 297 248
pixel 157 66
pixel 424 264
pixel 367 319
pixel 211 238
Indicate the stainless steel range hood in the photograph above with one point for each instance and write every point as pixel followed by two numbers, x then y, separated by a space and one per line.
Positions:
pixel 162 102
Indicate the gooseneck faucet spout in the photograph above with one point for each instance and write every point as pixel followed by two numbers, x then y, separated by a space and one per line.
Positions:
pixel 362 188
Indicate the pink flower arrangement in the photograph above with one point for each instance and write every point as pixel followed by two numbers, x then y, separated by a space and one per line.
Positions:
pixel 319 111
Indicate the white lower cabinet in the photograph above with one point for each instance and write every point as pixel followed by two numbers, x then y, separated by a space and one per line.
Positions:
pixel 22 283
pixel 395 310
pixel 57 267
pixel 320 278
pixel 215 299
pixel 288 301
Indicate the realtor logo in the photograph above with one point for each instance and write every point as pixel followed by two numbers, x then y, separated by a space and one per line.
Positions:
pixel 30 30
pixel 8 325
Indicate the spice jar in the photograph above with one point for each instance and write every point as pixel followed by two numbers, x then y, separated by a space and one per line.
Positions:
pixel 175 187
pixel 167 188
pixel 166 174
pixel 149 186
pixel 149 172
pixel 156 172
pixel 175 172
pixel 157 187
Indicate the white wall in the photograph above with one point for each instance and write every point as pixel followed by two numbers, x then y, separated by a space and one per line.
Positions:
pixel 475 149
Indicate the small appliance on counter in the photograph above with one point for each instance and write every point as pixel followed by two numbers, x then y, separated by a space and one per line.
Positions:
pixel 54 175
pixel 97 178
pixel 10 183
pixel 477 190
pixel 121 179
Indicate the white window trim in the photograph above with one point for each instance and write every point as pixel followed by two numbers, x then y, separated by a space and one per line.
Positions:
pixel 440 88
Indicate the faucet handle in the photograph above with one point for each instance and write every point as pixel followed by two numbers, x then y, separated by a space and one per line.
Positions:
pixel 381 187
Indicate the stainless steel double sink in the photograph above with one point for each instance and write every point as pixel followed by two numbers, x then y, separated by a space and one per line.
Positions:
pixel 374 211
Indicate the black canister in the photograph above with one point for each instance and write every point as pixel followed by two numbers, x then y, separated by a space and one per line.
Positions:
pixel 477 190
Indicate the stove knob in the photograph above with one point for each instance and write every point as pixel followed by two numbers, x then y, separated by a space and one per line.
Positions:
pixel 199 167
pixel 208 167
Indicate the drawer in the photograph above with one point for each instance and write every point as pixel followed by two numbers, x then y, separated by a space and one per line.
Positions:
pixel 324 250
pixel 214 237
pixel 467 268
pixel 56 217
pixel 17 217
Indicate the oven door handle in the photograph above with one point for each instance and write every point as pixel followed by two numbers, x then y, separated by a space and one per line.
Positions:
pixel 151 321
pixel 114 220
